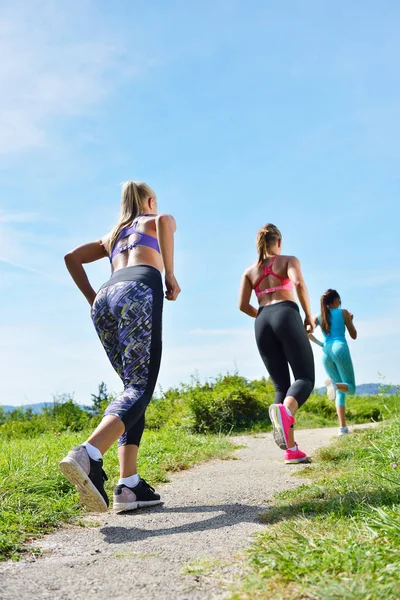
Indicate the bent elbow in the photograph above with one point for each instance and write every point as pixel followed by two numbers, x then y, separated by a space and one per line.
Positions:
pixel 354 335
pixel 244 307
pixel 70 258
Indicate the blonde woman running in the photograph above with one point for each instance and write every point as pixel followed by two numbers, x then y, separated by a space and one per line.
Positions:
pixel 126 313
pixel 336 358
pixel 280 334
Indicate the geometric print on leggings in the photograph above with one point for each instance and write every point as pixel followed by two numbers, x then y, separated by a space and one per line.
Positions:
pixel 122 315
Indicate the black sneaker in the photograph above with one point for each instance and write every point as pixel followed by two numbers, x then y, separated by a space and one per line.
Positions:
pixel 88 477
pixel 131 498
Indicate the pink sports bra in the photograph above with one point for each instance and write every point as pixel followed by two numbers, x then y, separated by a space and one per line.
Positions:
pixel 286 283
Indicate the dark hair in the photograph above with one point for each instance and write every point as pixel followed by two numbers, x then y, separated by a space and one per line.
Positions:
pixel 327 299
pixel 267 237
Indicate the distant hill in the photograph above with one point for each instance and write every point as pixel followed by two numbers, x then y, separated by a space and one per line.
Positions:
pixel 366 389
pixel 36 408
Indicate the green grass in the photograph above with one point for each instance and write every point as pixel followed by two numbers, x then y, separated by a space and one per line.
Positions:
pixel 338 537
pixel 318 411
pixel 36 498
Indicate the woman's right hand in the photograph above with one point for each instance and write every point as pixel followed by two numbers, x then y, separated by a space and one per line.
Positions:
pixel 173 289
pixel 309 324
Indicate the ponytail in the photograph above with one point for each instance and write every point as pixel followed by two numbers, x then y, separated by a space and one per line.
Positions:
pixel 267 237
pixel 326 300
pixel 133 198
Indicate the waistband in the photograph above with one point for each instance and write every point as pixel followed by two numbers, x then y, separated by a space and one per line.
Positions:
pixel 144 273
pixel 279 306
pixel 329 341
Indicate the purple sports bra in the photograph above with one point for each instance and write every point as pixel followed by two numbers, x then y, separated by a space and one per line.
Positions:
pixel 143 239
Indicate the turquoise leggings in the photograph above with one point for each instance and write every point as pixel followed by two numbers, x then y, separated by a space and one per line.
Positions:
pixel 337 363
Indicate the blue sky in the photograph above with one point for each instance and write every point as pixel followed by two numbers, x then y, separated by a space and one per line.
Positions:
pixel 236 113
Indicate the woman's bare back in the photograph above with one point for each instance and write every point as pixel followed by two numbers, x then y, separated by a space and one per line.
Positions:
pixel 138 255
pixel 281 264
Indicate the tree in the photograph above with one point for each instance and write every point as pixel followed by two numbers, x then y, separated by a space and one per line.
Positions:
pixel 99 399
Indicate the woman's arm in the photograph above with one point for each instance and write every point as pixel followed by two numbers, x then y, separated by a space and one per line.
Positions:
pixel 166 227
pixel 75 260
pixel 244 297
pixel 348 319
pixel 314 339
pixel 311 336
pixel 296 276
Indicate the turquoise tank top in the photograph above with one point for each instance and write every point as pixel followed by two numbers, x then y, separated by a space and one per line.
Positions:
pixel 338 327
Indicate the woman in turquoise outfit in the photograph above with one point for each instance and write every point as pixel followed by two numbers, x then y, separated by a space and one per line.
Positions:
pixel 336 358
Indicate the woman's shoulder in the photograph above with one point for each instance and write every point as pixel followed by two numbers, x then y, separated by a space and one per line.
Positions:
pixel 253 273
pixel 288 258
pixel 165 218
pixel 105 241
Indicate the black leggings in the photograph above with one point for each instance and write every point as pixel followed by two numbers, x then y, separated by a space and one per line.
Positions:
pixel 282 341
pixel 127 314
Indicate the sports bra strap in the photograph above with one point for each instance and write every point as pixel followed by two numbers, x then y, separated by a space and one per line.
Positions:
pixel 143 238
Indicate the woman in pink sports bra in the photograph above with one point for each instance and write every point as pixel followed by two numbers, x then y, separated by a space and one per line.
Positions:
pixel 280 333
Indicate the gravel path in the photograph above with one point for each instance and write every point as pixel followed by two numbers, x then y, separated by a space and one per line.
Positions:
pixel 187 549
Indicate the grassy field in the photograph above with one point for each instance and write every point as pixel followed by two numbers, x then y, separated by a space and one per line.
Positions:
pixel 339 537
pixel 183 427
pixel 35 497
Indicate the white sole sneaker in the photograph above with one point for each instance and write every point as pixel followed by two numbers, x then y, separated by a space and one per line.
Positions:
pixel 295 461
pixel 330 389
pixel 277 426
pixel 341 432
pixel 89 495
pixel 125 506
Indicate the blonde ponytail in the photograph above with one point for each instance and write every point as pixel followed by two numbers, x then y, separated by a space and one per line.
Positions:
pixel 134 196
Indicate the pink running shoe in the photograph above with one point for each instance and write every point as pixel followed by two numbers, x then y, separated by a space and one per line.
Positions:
pixel 295 456
pixel 281 423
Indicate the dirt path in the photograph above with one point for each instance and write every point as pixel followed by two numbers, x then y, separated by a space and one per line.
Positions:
pixel 187 549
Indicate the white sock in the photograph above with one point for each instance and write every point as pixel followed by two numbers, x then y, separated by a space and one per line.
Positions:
pixel 288 411
pixel 294 448
pixel 93 452
pixel 130 481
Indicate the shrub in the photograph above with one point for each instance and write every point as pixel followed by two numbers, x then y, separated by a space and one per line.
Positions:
pixel 171 410
pixel 227 405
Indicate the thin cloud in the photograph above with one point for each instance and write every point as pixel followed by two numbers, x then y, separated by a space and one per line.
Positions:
pixel 222 332
pixel 28 269
pixel 43 78
pixel 374 278
pixel 18 217
pixel 380 327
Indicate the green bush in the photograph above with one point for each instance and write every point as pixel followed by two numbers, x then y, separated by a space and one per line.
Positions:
pixel 171 410
pixel 227 405
pixel 62 415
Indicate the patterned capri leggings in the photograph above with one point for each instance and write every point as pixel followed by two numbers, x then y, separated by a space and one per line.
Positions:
pixel 339 367
pixel 127 315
